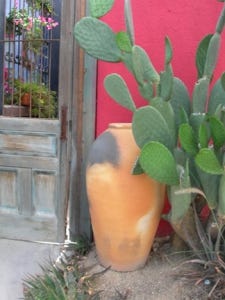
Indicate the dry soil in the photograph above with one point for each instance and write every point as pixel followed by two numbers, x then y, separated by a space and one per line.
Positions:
pixel 165 276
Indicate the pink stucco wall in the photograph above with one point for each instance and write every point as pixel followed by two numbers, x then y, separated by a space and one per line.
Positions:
pixel 184 21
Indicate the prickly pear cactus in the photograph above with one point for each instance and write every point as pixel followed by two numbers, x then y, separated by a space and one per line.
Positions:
pixel 182 140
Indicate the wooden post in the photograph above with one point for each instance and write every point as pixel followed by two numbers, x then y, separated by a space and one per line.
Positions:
pixel 77 88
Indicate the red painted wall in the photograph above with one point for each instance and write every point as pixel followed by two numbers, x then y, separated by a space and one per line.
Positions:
pixel 184 21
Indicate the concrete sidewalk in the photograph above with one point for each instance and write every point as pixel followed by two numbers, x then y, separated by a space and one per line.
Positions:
pixel 18 260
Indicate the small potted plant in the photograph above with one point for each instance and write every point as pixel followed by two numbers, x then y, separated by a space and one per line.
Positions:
pixel 181 140
pixel 37 96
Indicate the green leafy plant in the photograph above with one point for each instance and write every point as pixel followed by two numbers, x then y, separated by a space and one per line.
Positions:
pixel 182 140
pixel 42 100
pixel 25 22
pixel 44 5
pixel 65 280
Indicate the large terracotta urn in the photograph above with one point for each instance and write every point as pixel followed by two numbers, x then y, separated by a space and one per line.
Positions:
pixel 125 209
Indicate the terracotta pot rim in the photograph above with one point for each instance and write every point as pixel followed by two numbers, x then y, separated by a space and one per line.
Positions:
pixel 120 125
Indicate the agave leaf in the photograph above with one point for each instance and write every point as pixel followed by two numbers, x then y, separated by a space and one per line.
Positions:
pixel 187 139
pixel 118 90
pixel 149 125
pixel 201 54
pixel 99 8
pixel 97 39
pixel 123 41
pixel 208 162
pixel 158 162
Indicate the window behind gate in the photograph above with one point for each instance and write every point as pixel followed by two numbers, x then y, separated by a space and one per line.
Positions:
pixel 29 50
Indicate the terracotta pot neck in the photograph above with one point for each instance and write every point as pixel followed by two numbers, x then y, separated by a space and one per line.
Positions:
pixel 120 125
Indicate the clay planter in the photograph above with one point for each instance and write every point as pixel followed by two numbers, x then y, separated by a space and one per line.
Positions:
pixel 25 99
pixel 125 209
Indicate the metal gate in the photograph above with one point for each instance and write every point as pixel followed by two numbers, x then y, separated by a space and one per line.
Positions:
pixel 44 144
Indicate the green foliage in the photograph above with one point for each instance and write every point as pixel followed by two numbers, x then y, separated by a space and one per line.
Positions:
pixel 44 5
pixel 146 118
pixel 180 101
pixel 182 142
pixel 200 95
pixel 209 184
pixel 203 136
pixel 55 284
pixel 221 199
pixel 123 41
pixel 99 8
pixel 43 101
pixel 217 97
pixel 129 20
pixel 187 139
pixel 137 169
pixel 97 39
pixel 144 70
pixel 207 161
pixel 158 162
pixel 222 78
pixel 201 55
pixel 166 110
pixel 118 90
pixel 212 55
pixel 217 131
pixel 63 280
pixel 180 202
pixel 166 84
pixel 169 51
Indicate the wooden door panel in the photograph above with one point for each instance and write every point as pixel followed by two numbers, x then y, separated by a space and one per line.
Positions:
pixel 44 193
pixel 29 179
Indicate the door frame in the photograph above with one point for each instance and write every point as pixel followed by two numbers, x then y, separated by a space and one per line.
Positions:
pixel 77 94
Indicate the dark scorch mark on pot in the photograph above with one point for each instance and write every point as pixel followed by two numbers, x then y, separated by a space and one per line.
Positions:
pixel 104 149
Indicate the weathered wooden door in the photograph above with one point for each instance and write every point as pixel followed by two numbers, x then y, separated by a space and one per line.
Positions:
pixel 42 161
pixel 30 199
pixel 33 155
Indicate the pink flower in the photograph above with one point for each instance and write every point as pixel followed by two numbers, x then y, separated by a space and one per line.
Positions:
pixel 55 24
pixel 50 20
pixel 16 3
pixel 42 20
